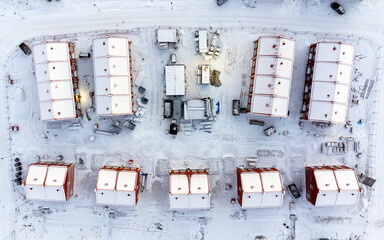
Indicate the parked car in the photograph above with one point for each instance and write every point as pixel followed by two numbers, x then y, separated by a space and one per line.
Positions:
pixel 24 47
pixel 338 8
pixel 220 2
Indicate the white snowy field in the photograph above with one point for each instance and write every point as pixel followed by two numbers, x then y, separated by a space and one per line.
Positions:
pixel 152 148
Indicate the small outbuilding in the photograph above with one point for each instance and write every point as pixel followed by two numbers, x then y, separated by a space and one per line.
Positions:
pixel 271 76
pixel 189 189
pixel 259 188
pixel 167 38
pixel 49 181
pixel 175 80
pixel 331 186
pixel 203 41
pixel 197 109
pixel 117 186
pixel 328 82
pixel 112 66
pixel 57 82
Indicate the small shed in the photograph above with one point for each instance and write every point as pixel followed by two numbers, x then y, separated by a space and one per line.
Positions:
pixel 197 109
pixel 259 188
pixel 271 76
pixel 49 181
pixel 328 82
pixel 113 75
pixel 57 84
pixel 189 189
pixel 175 80
pixel 330 186
pixel 204 76
pixel 167 37
pixel 117 186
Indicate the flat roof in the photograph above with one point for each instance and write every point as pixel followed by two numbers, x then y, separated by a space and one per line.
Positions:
pixel 325 180
pixel 126 180
pixel 346 179
pixel 175 80
pixel 179 184
pixel 278 67
pixel 114 105
pixel 57 109
pixel 270 85
pixel 205 74
pixel 251 182
pixel 56 175
pixel 106 179
pixel 276 46
pixel 203 41
pixel 199 184
pixel 50 52
pixel 36 174
pixel 271 181
pixel 330 92
pixel 110 46
pixel 269 105
pixel 53 71
pixel 166 36
pixel 335 52
pixel 327 112
pixel 55 90
pixel 113 87
pixel 332 72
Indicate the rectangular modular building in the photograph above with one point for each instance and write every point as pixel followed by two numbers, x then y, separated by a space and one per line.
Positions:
pixel 175 80
pixel 49 181
pixel 189 189
pixel 259 188
pixel 328 82
pixel 271 76
pixel 57 82
pixel 117 186
pixel 112 66
pixel 330 186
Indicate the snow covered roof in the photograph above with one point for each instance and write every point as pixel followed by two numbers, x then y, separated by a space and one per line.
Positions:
pixel 272 76
pixel 106 179
pixel 53 71
pixel 51 52
pixel 331 82
pixel 179 184
pixel 260 188
pixel 47 182
pixel 337 186
pixel 110 47
pixel 126 181
pixel 166 36
pixel 340 52
pixel 203 41
pixel 56 176
pixel 269 105
pixel 199 184
pixel 276 46
pixel 273 66
pixel 112 71
pixel 36 174
pixel 189 189
pixel 117 186
pixel 175 80
pixel 205 74
pixel 54 81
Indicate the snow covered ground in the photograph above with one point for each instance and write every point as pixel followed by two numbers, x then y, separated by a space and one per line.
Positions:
pixel 232 138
